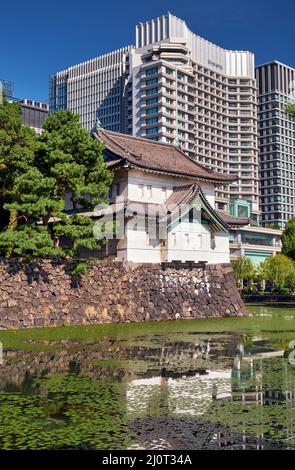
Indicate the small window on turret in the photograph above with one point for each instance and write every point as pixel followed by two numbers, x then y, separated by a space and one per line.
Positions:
pixel 213 242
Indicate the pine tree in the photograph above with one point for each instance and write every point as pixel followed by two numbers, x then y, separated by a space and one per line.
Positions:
pixel 17 145
pixel 66 162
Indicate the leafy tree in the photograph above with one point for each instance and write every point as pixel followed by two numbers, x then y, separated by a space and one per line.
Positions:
pixel 17 146
pixel 290 108
pixel 66 165
pixel 288 239
pixel 273 226
pixel 280 270
pixel 243 270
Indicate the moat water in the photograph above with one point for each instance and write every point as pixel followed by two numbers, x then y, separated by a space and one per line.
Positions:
pixel 201 384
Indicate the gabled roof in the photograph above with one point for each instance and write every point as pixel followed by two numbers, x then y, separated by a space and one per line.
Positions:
pixel 123 149
pixel 178 204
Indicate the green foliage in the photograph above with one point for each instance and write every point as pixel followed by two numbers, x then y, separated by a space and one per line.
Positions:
pixel 279 270
pixel 290 108
pixel 70 413
pixel 75 411
pixel 288 239
pixel 243 269
pixel 81 269
pixel 28 241
pixel 38 174
pixel 17 146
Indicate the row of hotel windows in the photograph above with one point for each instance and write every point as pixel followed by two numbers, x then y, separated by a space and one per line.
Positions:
pixel 181 76
pixel 282 126
pixel 278 126
pixel 269 97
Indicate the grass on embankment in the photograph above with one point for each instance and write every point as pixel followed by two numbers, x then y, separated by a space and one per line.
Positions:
pixel 44 338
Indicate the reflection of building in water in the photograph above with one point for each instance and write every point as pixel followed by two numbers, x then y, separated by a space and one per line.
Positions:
pixel 248 383
pixel 186 395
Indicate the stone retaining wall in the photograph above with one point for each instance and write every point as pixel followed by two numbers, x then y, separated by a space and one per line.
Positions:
pixel 46 294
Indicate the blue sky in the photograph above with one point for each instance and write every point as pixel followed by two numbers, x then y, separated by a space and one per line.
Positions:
pixel 38 39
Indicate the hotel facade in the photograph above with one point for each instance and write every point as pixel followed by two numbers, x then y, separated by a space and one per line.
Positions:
pixel 276 84
pixel 175 87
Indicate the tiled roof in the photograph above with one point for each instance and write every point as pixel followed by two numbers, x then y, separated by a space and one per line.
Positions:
pixel 155 156
pixel 180 198
pixel 231 220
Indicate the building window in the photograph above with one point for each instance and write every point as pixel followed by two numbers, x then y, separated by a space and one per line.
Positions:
pixel 173 235
pixel 149 191
pixel 212 241
pixel 117 189
pixel 187 239
pixel 152 130
pixel 168 71
pixel 152 121
pixel 151 81
pixel 152 111
pixel 151 71
pixel 152 91
pixel 151 101
pixel 141 190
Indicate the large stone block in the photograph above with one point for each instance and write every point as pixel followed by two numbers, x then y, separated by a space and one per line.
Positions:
pixel 44 293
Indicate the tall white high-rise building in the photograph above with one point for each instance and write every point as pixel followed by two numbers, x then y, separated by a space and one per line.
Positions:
pixel 180 89
pixel 93 89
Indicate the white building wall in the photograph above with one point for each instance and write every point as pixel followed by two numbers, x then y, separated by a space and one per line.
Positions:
pixel 185 241
pixel 161 187
pixel 140 249
pixel 173 29
pixel 192 242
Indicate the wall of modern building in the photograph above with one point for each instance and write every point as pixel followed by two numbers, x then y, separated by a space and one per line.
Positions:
pixel 94 89
pixel 34 114
pixel 275 83
pixel 175 87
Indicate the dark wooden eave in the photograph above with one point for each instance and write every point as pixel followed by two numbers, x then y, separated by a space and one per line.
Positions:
pixel 122 150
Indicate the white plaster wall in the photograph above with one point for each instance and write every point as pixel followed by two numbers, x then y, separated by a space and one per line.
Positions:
pixel 139 248
pixel 158 182
pixel 186 241
pixel 192 241
pixel 121 178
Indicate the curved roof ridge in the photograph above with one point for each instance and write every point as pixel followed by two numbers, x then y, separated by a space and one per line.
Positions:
pixel 153 142
pixel 158 156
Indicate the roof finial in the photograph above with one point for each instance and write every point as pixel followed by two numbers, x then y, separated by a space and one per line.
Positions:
pixel 98 124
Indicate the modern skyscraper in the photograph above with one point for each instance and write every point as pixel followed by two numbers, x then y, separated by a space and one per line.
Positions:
pixel 93 89
pixel 276 84
pixel 177 88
